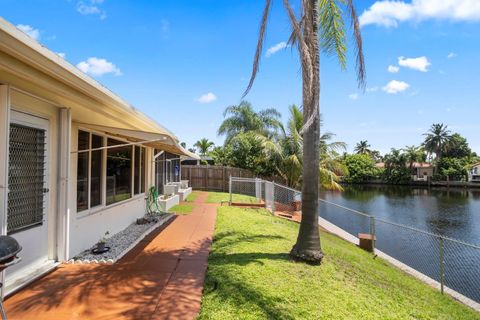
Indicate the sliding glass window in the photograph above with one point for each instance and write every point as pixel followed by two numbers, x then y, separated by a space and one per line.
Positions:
pixel 96 171
pixel 82 170
pixel 119 172
pixel 89 171
pixel 139 171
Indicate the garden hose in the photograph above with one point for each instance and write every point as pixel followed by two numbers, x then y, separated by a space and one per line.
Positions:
pixel 152 201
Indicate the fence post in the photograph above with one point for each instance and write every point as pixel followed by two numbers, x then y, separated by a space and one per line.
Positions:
pixel 273 197
pixel 230 191
pixel 442 273
pixel 372 232
pixel 223 179
pixel 264 183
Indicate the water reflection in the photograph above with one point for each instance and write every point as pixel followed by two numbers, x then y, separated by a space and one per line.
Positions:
pixel 453 213
pixel 450 212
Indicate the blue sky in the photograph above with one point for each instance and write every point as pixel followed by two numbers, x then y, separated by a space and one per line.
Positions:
pixel 183 62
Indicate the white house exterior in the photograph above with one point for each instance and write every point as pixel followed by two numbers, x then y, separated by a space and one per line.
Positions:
pixel 474 173
pixel 75 159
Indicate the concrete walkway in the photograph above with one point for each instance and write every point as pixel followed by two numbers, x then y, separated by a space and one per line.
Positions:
pixel 161 278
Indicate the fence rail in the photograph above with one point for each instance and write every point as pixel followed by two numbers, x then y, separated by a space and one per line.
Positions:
pixel 454 264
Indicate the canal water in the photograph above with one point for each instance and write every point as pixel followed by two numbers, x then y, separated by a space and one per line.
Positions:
pixel 451 213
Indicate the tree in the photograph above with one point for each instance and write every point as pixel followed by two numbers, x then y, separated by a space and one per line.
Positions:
pixel 414 154
pixel 222 156
pixel 361 168
pixel 242 118
pixel 204 145
pixel 396 171
pixel 184 145
pixel 287 153
pixel 437 141
pixel 362 148
pixel 458 147
pixel 319 20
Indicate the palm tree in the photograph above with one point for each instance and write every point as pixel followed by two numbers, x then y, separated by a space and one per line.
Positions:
pixel 437 141
pixel 204 145
pixel 319 20
pixel 287 153
pixel 363 147
pixel 242 118
pixel 413 154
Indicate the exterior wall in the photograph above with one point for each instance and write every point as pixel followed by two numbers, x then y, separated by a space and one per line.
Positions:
pixel 87 227
pixel 474 174
pixel 422 174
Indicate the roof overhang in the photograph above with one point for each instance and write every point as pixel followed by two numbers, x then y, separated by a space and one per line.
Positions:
pixel 17 47
pixel 158 140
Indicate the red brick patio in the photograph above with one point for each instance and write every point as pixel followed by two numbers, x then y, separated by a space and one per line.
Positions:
pixel 161 278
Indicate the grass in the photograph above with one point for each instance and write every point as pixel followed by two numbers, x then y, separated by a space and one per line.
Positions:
pixel 192 197
pixel 182 208
pixel 217 197
pixel 251 277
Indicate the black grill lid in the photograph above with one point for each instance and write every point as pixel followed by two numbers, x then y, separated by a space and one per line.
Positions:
pixel 9 247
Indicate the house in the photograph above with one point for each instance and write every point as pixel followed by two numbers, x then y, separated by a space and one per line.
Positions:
pixel 196 162
pixel 474 173
pixel 422 171
pixel 75 159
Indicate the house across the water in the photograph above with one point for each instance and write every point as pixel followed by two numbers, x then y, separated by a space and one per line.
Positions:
pixel 474 173
pixel 75 159
pixel 421 171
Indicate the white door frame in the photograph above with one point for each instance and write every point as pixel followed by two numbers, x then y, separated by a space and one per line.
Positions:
pixel 35 239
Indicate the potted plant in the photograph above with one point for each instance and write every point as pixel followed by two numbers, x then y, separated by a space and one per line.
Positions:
pixel 100 247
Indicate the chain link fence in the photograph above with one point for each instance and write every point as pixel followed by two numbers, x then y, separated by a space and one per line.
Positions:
pixel 454 264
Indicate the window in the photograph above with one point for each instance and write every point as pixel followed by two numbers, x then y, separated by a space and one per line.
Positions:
pixel 160 171
pixel 82 171
pixel 139 170
pixel 89 171
pixel 108 175
pixel 119 172
pixel 96 171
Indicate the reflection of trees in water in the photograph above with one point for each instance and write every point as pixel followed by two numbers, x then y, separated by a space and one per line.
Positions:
pixel 446 211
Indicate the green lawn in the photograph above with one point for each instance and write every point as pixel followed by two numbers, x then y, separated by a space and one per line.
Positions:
pixel 217 197
pixel 251 277
pixel 192 196
pixel 182 208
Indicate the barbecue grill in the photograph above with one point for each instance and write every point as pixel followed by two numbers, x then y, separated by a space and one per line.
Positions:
pixel 9 248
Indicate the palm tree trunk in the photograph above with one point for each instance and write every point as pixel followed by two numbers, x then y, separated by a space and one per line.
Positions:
pixel 307 247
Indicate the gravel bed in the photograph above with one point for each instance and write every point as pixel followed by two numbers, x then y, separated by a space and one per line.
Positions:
pixel 121 241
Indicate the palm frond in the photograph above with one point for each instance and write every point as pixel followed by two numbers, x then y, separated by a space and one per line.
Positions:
pixel 360 65
pixel 332 30
pixel 258 52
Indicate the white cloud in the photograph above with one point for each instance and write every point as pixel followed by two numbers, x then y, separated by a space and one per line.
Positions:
pixel 206 98
pixel 420 63
pixel 390 13
pixel 91 8
pixel 353 96
pixel 272 50
pixel 372 89
pixel 61 54
pixel 395 86
pixel 393 69
pixel 97 67
pixel 32 32
pixel 452 55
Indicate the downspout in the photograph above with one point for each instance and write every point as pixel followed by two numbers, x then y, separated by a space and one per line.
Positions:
pixel 4 155
pixel 63 218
